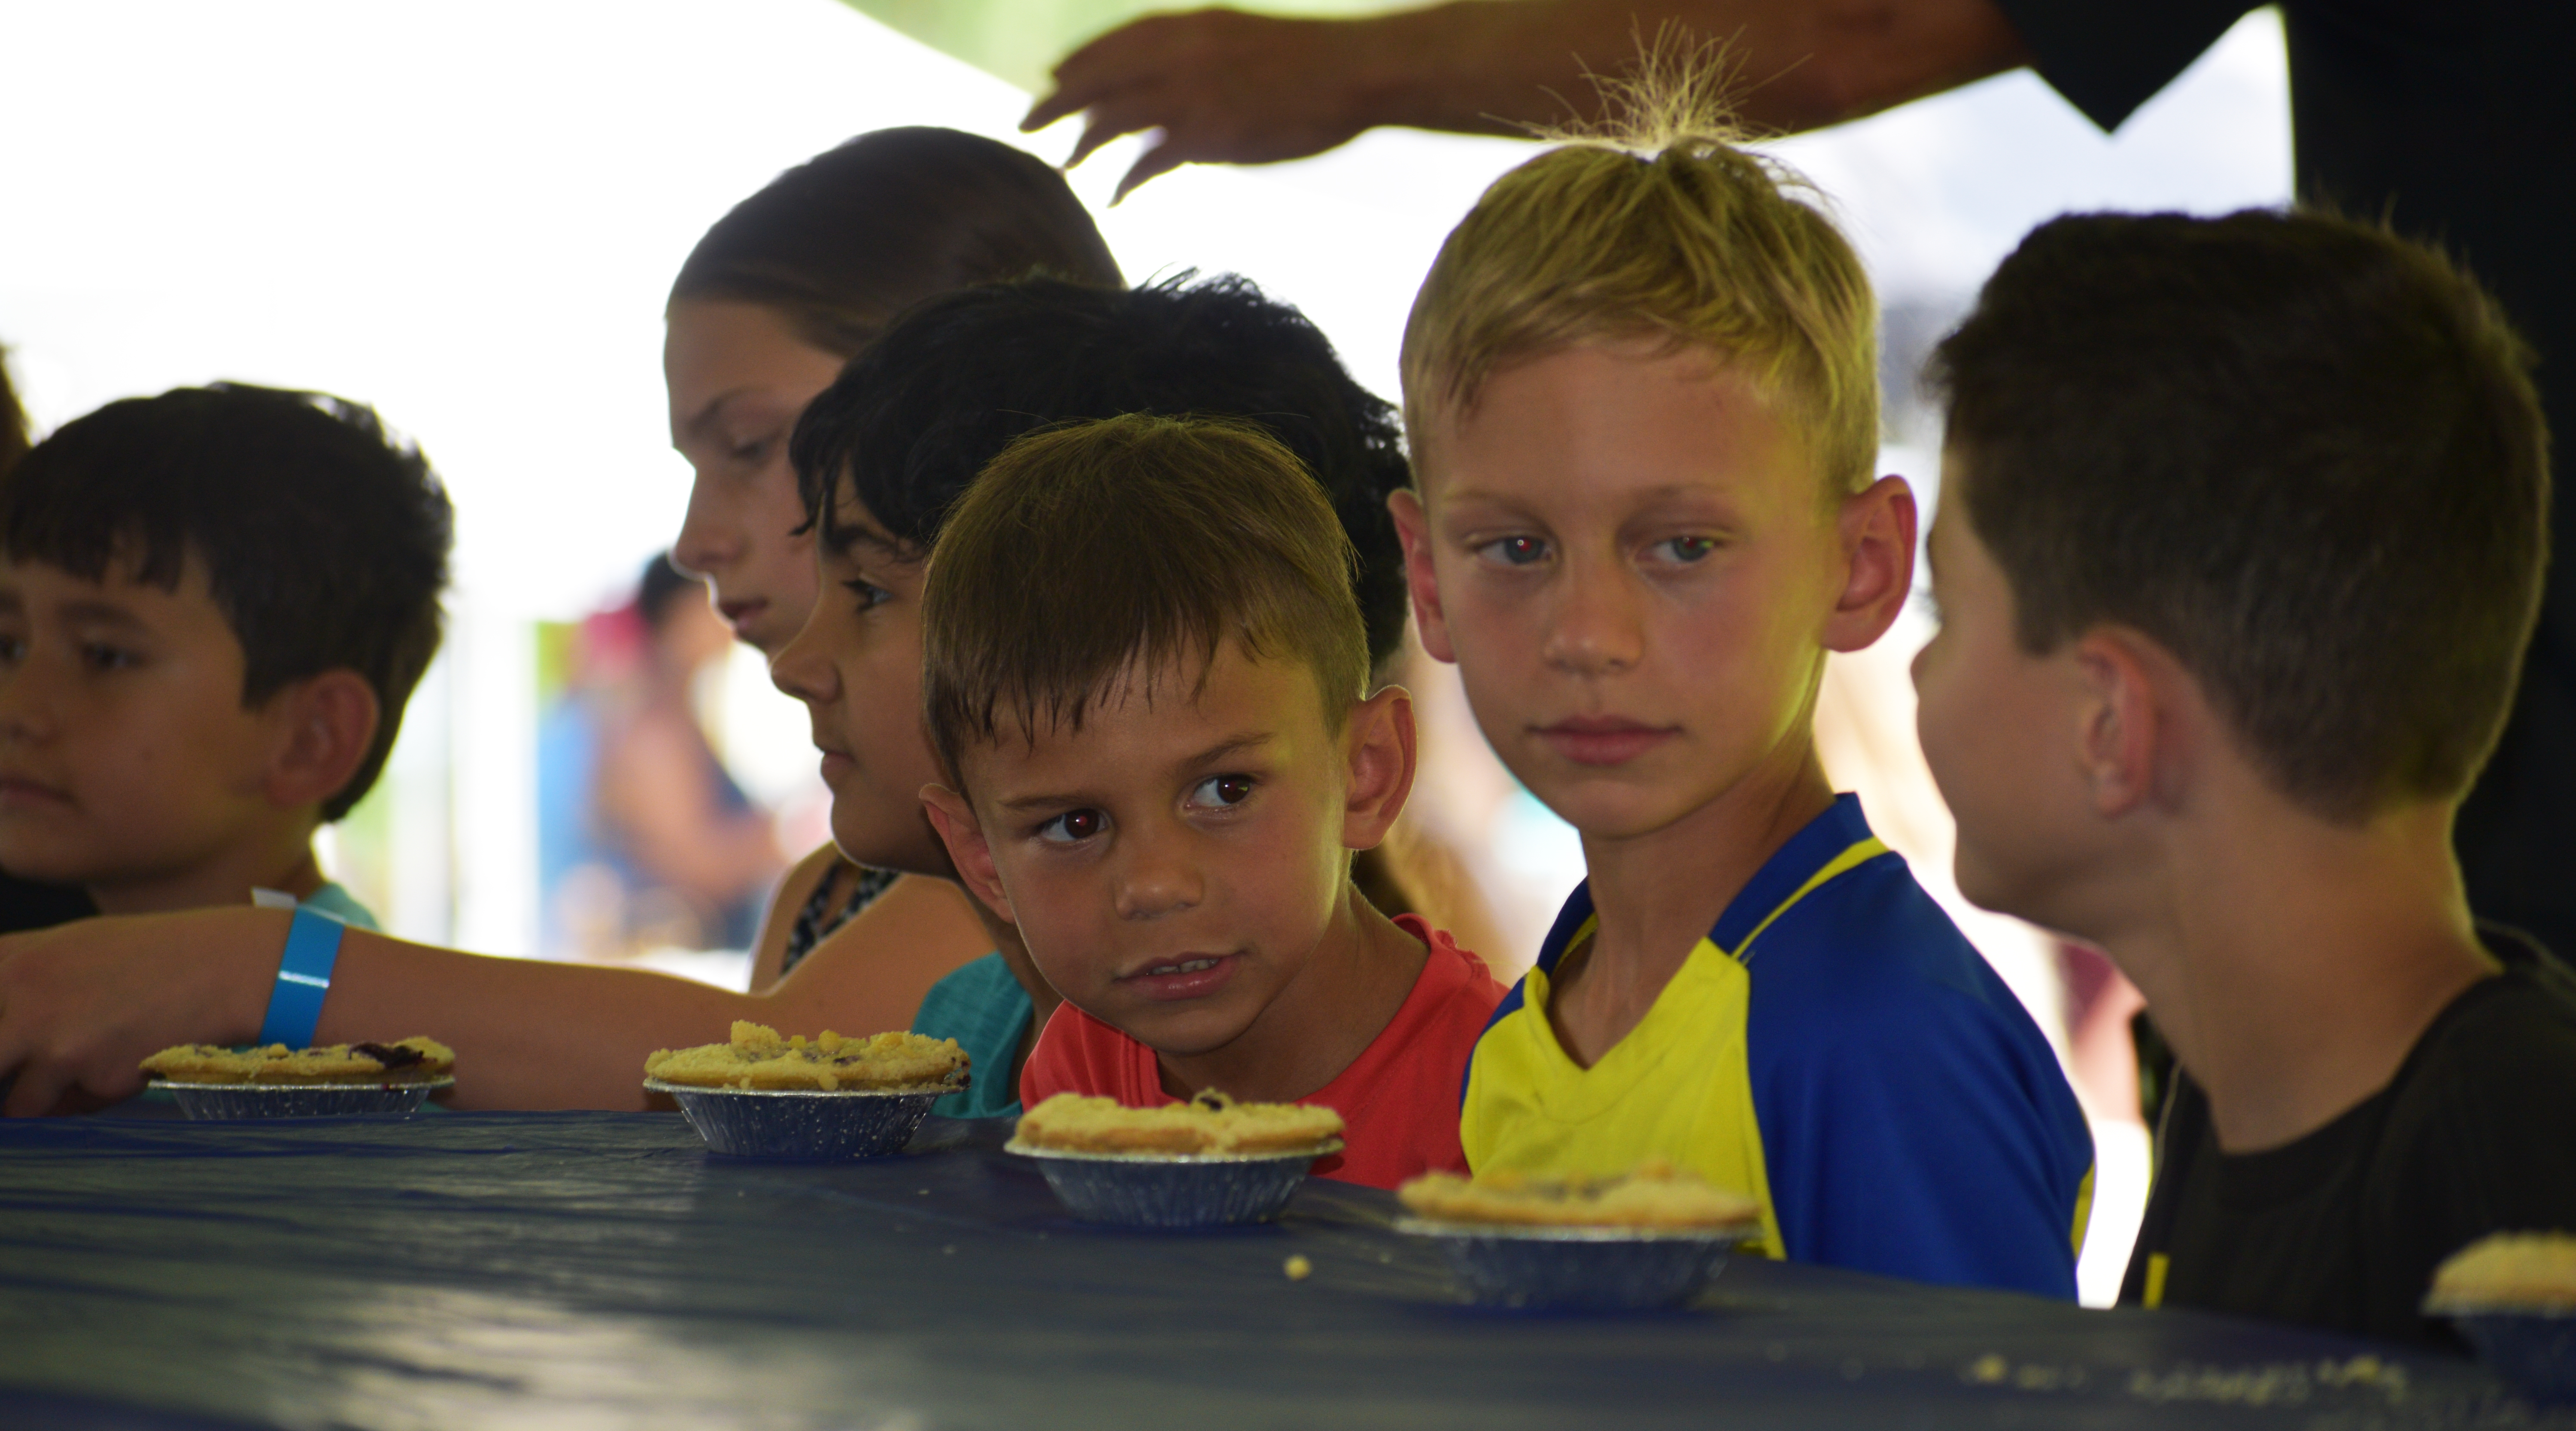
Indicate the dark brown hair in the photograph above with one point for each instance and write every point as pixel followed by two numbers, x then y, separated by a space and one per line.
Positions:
pixel 2299 452
pixel 324 538
pixel 846 240
pixel 1091 554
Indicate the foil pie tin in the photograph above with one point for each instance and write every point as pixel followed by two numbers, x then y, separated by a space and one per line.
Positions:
pixel 1173 1189
pixel 226 1101
pixel 805 1124
pixel 2533 1352
pixel 1585 1268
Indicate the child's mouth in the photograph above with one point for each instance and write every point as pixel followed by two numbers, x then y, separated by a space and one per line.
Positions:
pixel 1195 977
pixel 1597 740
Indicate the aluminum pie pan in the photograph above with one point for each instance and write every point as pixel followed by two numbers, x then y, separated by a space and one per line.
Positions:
pixel 1591 1268
pixel 219 1102
pixel 806 1125
pixel 1173 1190
pixel 2531 1349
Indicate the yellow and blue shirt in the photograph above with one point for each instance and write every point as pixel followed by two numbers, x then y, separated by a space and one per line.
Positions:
pixel 1836 1048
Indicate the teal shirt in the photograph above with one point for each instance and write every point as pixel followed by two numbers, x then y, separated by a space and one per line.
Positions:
pixel 338 903
pixel 983 1007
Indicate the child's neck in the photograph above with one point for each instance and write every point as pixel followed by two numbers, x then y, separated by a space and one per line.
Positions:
pixel 1348 992
pixel 2293 964
pixel 227 879
pixel 1655 896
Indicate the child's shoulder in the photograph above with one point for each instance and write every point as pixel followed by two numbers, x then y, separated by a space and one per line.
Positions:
pixel 1868 969
pixel 2497 1069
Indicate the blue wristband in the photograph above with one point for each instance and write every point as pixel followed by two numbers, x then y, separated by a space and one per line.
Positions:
pixel 303 979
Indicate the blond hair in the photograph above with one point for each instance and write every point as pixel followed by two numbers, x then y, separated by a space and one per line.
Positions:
pixel 1656 226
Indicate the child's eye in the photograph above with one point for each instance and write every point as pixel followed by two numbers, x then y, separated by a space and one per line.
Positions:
pixel 1683 550
pixel 1222 791
pixel 105 658
pixel 1515 551
pixel 13 649
pixel 750 453
pixel 868 592
pixel 1073 827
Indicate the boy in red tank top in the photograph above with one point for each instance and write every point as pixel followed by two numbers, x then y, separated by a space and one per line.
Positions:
pixel 1143 670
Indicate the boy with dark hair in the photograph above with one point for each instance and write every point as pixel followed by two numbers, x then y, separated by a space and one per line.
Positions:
pixel 2240 544
pixel 1641 388
pixel 213 605
pixel 1146 675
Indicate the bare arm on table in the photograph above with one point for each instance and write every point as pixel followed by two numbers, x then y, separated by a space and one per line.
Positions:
pixel 81 1005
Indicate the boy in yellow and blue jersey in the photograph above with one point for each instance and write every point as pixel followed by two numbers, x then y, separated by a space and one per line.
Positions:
pixel 1642 392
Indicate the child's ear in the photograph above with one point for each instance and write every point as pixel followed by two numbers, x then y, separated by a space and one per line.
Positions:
pixel 954 819
pixel 1876 528
pixel 1413 528
pixel 324 725
pixel 1378 747
pixel 2129 747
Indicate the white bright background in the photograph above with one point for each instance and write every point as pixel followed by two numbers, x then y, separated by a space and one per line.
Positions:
pixel 468 214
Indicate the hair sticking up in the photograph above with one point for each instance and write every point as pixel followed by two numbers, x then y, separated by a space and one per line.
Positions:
pixel 1655 226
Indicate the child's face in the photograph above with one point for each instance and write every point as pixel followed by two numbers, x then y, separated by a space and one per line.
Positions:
pixel 1994 721
pixel 126 756
pixel 857 667
pixel 1631 560
pixel 1174 864
pixel 739 377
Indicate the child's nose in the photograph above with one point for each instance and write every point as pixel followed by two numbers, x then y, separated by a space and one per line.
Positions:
pixel 1157 878
pixel 25 712
pixel 1596 626
pixel 803 669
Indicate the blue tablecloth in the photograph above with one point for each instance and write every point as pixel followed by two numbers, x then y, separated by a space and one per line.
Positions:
pixel 581 1269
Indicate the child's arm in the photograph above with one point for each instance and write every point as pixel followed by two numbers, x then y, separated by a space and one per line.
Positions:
pixel 81 1005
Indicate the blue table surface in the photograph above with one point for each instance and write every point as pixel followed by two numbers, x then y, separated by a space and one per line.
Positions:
pixel 598 1269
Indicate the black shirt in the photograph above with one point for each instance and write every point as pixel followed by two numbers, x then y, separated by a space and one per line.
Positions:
pixel 2457 119
pixel 2342 1229
pixel 26 904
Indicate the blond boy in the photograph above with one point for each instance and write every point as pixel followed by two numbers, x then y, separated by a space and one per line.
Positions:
pixel 1642 393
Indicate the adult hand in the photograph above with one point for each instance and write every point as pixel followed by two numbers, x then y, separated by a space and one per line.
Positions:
pixel 82 1004
pixel 1220 85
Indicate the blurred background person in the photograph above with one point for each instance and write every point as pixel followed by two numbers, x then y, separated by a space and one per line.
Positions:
pixel 649 842
pixel 27 903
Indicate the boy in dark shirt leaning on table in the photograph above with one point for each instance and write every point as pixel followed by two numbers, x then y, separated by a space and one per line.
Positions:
pixel 2239 549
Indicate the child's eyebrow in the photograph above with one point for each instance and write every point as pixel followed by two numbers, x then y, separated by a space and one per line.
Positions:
pixel 705 417
pixel 1215 754
pixel 96 613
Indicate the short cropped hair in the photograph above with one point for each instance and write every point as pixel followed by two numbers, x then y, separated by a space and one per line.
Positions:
pixel 2299 452
pixel 843 242
pixel 913 420
pixel 1692 244
pixel 1092 555
pixel 324 540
